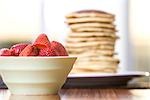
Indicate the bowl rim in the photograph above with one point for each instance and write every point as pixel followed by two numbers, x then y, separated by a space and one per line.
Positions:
pixel 36 57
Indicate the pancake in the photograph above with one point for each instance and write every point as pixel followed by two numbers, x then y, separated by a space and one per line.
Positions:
pixel 99 59
pixel 89 19
pixel 91 34
pixel 94 24
pixel 105 47
pixel 84 70
pixel 90 39
pixel 91 13
pixel 96 52
pixel 97 67
pixel 92 43
pixel 87 48
pixel 101 52
pixel 94 29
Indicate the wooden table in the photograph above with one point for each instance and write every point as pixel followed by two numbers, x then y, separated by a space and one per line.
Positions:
pixel 85 94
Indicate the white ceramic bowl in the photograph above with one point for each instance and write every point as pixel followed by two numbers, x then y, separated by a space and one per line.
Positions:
pixel 35 75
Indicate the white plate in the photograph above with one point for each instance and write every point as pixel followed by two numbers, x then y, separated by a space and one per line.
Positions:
pixel 127 73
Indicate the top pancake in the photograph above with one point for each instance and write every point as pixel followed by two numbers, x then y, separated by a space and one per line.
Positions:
pixel 89 13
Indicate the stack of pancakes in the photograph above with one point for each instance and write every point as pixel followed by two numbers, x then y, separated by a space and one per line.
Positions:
pixel 92 38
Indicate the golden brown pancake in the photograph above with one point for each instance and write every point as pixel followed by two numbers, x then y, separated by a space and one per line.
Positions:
pixel 88 13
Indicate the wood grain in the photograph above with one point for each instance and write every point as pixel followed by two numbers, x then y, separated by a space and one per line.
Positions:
pixel 85 94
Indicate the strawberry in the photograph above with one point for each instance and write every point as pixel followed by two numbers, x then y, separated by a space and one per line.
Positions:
pixel 29 50
pixel 35 51
pixel 42 41
pixel 5 52
pixel 48 52
pixel 16 49
pixel 59 48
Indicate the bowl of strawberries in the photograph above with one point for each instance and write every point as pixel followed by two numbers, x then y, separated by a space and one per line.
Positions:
pixel 37 68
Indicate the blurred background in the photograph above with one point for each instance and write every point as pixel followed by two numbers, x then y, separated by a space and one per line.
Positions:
pixel 23 20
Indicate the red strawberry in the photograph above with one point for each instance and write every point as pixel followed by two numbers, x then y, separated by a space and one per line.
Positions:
pixel 29 50
pixel 16 49
pixel 42 41
pixel 59 48
pixel 35 51
pixel 48 52
pixel 5 52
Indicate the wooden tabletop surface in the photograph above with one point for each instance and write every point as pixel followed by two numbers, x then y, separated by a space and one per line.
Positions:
pixel 85 94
